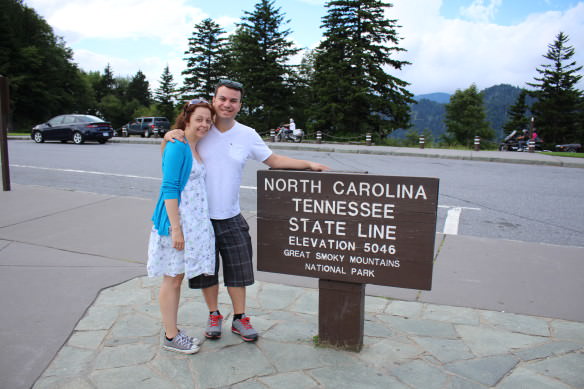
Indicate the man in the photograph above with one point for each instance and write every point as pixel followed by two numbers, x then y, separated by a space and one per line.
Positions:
pixel 224 151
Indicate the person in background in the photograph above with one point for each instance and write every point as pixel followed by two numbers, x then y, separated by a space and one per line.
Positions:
pixel 182 240
pixel 225 150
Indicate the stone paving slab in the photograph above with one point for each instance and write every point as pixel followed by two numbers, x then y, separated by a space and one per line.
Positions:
pixel 407 345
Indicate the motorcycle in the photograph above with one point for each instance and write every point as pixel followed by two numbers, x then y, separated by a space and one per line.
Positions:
pixel 511 143
pixel 285 134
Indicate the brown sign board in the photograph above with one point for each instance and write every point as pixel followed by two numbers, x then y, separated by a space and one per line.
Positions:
pixel 359 228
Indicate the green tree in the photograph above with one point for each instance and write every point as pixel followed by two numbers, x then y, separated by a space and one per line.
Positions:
pixel 258 55
pixel 465 117
pixel 559 103
pixel 300 82
pixel 518 119
pixel 105 84
pixel 165 95
pixel 139 89
pixel 353 92
pixel 44 80
pixel 205 60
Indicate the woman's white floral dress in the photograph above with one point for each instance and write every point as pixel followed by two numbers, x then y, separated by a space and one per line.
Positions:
pixel 198 257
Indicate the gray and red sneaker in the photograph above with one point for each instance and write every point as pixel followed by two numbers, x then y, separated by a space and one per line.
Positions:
pixel 214 324
pixel 243 328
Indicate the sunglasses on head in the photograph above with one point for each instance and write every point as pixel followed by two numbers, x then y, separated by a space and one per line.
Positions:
pixel 193 102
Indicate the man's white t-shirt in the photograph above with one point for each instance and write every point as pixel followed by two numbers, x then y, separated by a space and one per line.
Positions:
pixel 224 155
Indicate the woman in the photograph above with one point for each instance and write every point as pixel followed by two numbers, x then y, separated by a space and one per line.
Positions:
pixel 182 240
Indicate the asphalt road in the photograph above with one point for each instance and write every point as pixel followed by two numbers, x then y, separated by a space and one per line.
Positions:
pixel 493 200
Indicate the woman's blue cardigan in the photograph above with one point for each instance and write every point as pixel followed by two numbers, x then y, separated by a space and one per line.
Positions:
pixel 177 161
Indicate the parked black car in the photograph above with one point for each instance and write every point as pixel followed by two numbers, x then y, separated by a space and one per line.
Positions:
pixel 146 127
pixel 570 147
pixel 77 128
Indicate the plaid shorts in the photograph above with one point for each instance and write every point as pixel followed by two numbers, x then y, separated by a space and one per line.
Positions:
pixel 233 243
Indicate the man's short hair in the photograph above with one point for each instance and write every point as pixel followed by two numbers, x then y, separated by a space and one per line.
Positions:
pixel 229 84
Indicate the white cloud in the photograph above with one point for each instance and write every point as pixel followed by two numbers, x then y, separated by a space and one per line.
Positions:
pixel 449 54
pixel 478 11
pixel 166 20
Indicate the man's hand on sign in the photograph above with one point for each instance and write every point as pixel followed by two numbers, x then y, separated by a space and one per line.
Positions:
pixel 277 161
pixel 318 167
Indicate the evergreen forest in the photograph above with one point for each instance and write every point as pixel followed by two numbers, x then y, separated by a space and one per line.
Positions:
pixel 345 87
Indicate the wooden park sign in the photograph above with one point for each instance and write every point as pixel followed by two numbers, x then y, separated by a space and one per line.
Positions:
pixel 348 230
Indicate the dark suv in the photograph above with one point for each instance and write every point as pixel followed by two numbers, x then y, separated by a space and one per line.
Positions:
pixel 146 126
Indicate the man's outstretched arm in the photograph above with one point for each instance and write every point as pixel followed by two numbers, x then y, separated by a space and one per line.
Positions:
pixel 170 136
pixel 277 161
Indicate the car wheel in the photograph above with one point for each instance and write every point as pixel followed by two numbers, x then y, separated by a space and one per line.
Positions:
pixel 298 139
pixel 38 137
pixel 102 141
pixel 78 138
pixel 147 134
pixel 571 150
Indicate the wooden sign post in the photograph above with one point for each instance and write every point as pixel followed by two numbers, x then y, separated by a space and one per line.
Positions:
pixel 348 230
pixel 4 112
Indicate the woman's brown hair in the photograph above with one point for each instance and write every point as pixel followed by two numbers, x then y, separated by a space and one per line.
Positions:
pixel 188 109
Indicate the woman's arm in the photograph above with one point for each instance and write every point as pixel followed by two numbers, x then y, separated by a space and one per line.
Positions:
pixel 178 241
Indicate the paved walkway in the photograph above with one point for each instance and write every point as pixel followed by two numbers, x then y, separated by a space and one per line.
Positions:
pixel 407 345
pixel 79 313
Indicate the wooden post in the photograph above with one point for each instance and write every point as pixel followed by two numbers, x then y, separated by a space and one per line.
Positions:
pixel 341 314
pixel 4 112
pixel 422 141
pixel 318 137
pixel 368 139
pixel 272 135
pixel 477 143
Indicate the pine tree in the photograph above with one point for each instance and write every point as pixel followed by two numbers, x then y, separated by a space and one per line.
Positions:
pixel 465 117
pixel 139 89
pixel 559 104
pixel 299 82
pixel 517 114
pixel 354 93
pixel 259 52
pixel 165 95
pixel 106 83
pixel 205 60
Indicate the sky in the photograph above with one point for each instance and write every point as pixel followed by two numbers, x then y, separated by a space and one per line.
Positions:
pixel 450 44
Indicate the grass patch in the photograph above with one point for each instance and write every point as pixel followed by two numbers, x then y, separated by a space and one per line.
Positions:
pixel 563 154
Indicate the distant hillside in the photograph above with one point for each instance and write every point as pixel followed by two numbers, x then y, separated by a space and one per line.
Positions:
pixel 438 97
pixel 428 113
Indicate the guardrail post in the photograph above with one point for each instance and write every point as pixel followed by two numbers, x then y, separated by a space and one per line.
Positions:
pixel 531 145
pixel 272 135
pixel 422 141
pixel 319 137
pixel 477 143
pixel 368 139
pixel 4 112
